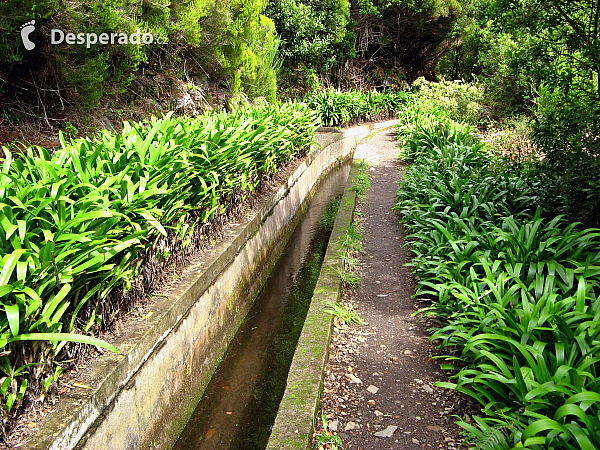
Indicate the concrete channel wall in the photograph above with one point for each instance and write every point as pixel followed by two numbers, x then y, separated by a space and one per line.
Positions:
pixel 143 396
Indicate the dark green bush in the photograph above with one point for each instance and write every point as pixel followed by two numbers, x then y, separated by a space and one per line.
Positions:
pixel 207 35
pixel 312 32
pixel 567 128
pixel 13 14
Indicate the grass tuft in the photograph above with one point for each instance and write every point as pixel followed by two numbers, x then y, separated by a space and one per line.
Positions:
pixel 346 314
pixel 362 183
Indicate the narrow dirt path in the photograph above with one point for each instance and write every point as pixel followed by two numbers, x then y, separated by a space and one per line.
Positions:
pixel 381 375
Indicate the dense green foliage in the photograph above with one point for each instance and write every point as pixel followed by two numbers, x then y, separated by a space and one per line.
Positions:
pixel 240 44
pixel 79 224
pixel 204 35
pixel 542 58
pixel 313 33
pixel 339 108
pixel 391 40
pixel 405 35
pixel 231 42
pixel 458 101
pixel 518 293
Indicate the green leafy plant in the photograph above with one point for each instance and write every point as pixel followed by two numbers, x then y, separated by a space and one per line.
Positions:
pixel 348 277
pixel 326 437
pixel 344 313
pixel 456 100
pixel 428 131
pixel 349 261
pixel 79 225
pixel 352 238
pixel 517 292
pixel 362 182
pixel 337 108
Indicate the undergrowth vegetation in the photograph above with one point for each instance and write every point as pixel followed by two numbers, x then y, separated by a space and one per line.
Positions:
pixel 229 39
pixel 351 244
pixel 345 313
pixel 517 292
pixel 88 228
pixel 362 182
pixel 339 109
pixel 456 100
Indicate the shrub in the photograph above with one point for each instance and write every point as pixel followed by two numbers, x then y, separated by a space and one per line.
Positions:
pixel 427 132
pixel 231 35
pixel 512 139
pixel 15 13
pixel 459 101
pixel 567 128
pixel 518 295
pixel 337 108
pixel 311 32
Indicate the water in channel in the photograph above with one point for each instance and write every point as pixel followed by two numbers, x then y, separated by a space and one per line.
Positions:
pixel 239 405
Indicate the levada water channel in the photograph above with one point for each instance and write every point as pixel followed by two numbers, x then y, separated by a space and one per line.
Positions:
pixel 239 405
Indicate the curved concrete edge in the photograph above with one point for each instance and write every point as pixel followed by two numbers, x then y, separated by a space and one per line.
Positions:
pixel 294 424
pixel 80 410
pixel 295 421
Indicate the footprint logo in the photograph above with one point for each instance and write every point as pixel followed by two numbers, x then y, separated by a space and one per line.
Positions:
pixel 26 30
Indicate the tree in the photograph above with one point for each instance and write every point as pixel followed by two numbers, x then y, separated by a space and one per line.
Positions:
pixel 310 31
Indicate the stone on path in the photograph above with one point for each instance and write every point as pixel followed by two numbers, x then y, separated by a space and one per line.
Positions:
pixel 353 378
pixel 373 389
pixel 333 426
pixel 387 432
pixel 350 426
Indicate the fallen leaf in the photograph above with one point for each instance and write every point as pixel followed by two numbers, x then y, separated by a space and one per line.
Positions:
pixel 210 433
